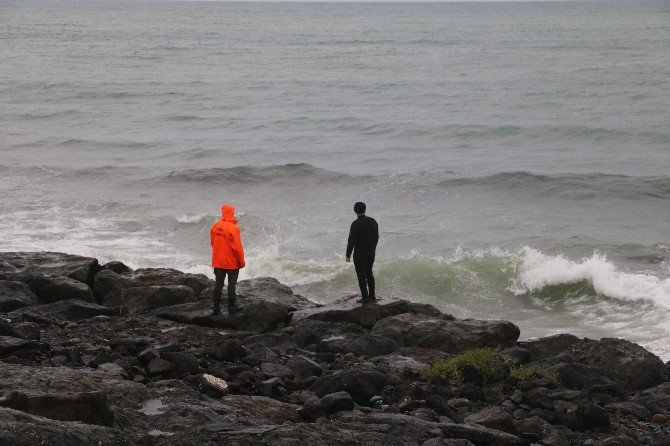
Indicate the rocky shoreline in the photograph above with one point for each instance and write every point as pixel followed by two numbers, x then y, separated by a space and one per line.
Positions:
pixel 96 354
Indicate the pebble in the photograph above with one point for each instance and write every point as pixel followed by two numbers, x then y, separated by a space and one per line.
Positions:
pixel 659 418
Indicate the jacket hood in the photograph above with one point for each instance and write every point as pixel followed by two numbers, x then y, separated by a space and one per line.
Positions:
pixel 228 213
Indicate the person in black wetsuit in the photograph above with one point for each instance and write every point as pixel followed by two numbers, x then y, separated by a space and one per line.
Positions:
pixel 363 238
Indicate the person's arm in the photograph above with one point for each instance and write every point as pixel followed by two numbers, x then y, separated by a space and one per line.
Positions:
pixel 376 234
pixel 350 243
pixel 238 250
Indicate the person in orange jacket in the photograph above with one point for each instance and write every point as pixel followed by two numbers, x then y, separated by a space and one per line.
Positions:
pixel 227 257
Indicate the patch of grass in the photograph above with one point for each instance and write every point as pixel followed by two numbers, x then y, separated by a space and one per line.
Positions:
pixel 490 364
pixel 450 369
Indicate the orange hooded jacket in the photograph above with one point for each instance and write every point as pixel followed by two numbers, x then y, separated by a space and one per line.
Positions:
pixel 227 251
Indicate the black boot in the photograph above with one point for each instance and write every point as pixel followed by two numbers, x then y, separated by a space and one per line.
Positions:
pixel 233 307
pixel 216 309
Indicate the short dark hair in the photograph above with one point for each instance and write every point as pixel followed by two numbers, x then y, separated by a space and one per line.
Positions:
pixel 359 207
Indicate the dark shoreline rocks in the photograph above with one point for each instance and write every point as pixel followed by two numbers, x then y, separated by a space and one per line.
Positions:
pixel 148 365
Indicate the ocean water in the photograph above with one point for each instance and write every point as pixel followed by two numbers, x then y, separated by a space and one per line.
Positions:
pixel 515 155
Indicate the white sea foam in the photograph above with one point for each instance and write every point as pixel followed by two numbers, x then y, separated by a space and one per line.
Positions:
pixel 538 270
pixel 189 219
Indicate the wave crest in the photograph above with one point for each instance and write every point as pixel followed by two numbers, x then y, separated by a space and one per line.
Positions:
pixel 537 271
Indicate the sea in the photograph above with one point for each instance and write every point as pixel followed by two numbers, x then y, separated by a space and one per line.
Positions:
pixel 516 155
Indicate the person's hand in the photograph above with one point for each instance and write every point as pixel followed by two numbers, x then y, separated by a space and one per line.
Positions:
pixel 348 259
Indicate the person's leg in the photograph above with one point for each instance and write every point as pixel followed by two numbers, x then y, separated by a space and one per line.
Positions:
pixel 361 268
pixel 218 288
pixel 370 279
pixel 232 288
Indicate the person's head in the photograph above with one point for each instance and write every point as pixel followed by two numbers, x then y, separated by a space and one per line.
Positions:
pixel 227 212
pixel 359 208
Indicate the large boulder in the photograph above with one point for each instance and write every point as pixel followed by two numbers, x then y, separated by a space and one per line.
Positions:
pixel 256 316
pixel 337 402
pixel 628 364
pixel 50 288
pixel 9 344
pixel 270 290
pixel 108 284
pixel 303 368
pixel 656 399
pixel 65 310
pixel 608 361
pixel 79 268
pixel 19 428
pixel 341 338
pixel 549 346
pixel 138 299
pixel 578 376
pixel 348 310
pixel 361 383
pixel 87 407
pixel 451 336
pixel 494 418
pixel 15 295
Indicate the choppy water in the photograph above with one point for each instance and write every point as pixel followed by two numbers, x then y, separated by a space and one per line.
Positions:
pixel 516 155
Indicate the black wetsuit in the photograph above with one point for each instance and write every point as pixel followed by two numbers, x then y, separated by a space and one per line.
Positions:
pixel 363 238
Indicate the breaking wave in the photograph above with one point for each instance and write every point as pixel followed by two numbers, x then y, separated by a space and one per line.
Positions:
pixel 538 271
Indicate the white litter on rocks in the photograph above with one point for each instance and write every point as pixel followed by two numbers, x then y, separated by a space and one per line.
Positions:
pixel 333 338
pixel 153 407
pixel 158 433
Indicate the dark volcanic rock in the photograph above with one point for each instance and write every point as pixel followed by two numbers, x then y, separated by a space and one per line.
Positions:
pixel 270 290
pixel 15 295
pixel 629 365
pixel 311 410
pixel 495 418
pixel 341 338
pixel 447 442
pixel 479 435
pixel 18 428
pixel 9 344
pixel 138 299
pixel 256 316
pixel 578 376
pixel 109 284
pixel 81 269
pixel 67 310
pixel 52 288
pixel 349 311
pixel 278 370
pixel 361 384
pixel 549 346
pixel 337 402
pixel 88 407
pixel 114 369
pixel 159 366
pixel 26 330
pixel 185 363
pixel 617 363
pixel 117 267
pixel 303 367
pixel 452 336
pixel 593 416
pixel 656 399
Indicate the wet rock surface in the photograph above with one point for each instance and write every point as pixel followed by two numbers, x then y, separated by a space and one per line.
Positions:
pixel 289 371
